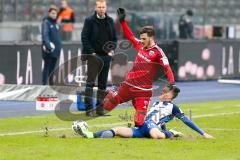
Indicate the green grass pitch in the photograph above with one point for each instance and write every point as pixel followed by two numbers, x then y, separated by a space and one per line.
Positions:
pixel 26 138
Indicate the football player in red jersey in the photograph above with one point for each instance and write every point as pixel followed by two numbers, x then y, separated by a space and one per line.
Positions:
pixel 138 82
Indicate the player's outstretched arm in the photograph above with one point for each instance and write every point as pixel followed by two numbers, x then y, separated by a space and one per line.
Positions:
pixel 180 115
pixel 193 126
pixel 126 30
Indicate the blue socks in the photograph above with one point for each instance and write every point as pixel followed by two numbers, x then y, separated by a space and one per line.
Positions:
pixel 104 134
pixel 110 134
pixel 167 133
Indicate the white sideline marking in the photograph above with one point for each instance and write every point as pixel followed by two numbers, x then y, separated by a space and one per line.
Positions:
pixel 214 115
pixel 115 124
pixel 229 81
pixel 223 129
pixel 57 129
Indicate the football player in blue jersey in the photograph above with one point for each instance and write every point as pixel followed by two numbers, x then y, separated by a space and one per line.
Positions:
pixel 155 123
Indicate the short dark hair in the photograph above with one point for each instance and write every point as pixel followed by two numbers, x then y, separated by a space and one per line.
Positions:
pixel 53 7
pixel 190 12
pixel 147 29
pixel 174 89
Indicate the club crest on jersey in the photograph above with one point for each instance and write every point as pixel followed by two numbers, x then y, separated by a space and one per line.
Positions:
pixel 151 53
pixel 146 103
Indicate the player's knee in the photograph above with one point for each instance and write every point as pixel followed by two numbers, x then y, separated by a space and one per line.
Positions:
pixel 156 134
pixel 110 102
pixel 116 130
pixel 161 135
pixel 120 131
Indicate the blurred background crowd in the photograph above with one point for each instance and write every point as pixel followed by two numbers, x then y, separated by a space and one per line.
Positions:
pixel 20 19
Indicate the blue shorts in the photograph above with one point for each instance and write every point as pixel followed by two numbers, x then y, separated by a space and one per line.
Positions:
pixel 144 130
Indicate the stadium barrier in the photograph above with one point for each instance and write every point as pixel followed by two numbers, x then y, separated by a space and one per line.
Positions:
pixel 22 63
pixel 12 92
pixel 208 60
pixel 190 60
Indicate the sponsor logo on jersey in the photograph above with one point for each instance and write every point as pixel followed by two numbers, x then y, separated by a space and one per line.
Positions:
pixel 143 57
pixel 151 53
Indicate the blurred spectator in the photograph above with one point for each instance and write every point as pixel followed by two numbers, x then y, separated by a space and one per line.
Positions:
pixel 66 18
pixel 185 25
pixel 98 36
pixel 51 44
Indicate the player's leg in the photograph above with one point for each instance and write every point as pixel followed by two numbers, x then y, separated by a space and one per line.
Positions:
pixel 123 132
pixel 155 133
pixel 136 132
pixel 176 133
pixel 141 105
pixel 81 128
pixel 110 101
pixel 113 98
pixel 117 131
pixel 151 129
pixel 110 133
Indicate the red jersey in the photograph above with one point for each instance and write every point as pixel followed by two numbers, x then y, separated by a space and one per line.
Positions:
pixel 147 63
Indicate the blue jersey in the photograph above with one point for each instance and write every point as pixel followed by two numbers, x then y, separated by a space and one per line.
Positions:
pixel 163 112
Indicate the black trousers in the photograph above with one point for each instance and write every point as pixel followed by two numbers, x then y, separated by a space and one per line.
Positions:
pixel 97 67
pixel 49 66
pixel 66 36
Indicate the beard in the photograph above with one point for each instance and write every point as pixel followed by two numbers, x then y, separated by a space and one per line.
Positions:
pixel 147 44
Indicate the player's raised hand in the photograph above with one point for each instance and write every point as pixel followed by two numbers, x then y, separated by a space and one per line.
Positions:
pixel 121 14
pixel 208 136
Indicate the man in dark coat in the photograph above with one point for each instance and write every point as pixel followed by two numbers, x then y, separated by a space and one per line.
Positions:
pixel 99 41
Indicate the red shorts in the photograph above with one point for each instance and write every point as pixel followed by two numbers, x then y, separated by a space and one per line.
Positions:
pixel 140 100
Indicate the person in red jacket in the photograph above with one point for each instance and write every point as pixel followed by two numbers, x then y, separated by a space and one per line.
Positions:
pixel 66 18
pixel 138 82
